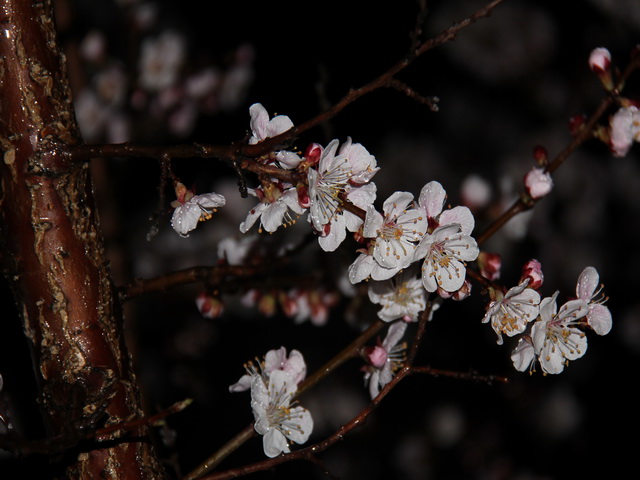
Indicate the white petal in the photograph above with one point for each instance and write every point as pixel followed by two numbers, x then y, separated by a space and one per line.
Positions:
pixel 395 205
pixel 361 268
pixel 599 317
pixel 259 121
pixel 299 425
pixel 277 125
pixel 394 335
pixel 379 272
pixel 209 200
pixel 372 223
pixel 459 215
pixel 523 355
pixel 241 385
pixel 337 234
pixel 432 198
pixel 587 283
pixel 185 218
pixel 273 215
pixel 255 213
pixel 274 443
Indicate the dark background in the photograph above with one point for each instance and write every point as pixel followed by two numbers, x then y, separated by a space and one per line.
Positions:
pixel 506 84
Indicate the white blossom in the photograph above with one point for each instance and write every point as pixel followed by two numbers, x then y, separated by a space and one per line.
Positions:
pixel 590 290
pixel 397 233
pixel 511 312
pixel 556 338
pixel 326 183
pixel 275 416
pixel 362 197
pixel 273 208
pixel 262 128
pixel 402 296
pixel 445 252
pixel 190 209
pixel 293 364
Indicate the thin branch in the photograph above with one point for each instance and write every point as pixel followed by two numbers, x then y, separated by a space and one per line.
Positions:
pixel 310 452
pixel 345 354
pixel 525 203
pixel 246 153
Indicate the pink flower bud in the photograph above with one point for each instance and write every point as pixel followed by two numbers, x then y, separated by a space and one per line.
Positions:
pixel 541 156
pixel 538 183
pixel 375 356
pixel 313 153
pixel 209 307
pixel 490 265
pixel 576 123
pixel 600 60
pixel 463 292
pixel 303 195
pixel 600 64
pixel 533 271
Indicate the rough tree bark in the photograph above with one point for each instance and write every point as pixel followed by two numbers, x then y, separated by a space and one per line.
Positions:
pixel 54 257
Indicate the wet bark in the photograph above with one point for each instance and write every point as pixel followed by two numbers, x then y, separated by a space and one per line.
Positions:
pixel 53 256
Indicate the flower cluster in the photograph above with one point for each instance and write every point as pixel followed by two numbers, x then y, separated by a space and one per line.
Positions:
pixel 557 334
pixel 273 384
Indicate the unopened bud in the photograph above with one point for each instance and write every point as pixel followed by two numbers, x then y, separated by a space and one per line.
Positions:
pixel 490 265
pixel 313 153
pixel 375 356
pixel 303 195
pixel 532 270
pixel 540 155
pixel 538 183
pixel 209 306
pixel 600 64
pixel 600 60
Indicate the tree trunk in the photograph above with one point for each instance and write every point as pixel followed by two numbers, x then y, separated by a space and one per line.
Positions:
pixel 54 256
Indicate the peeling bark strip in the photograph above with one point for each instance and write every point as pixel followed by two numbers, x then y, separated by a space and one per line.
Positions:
pixel 54 253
